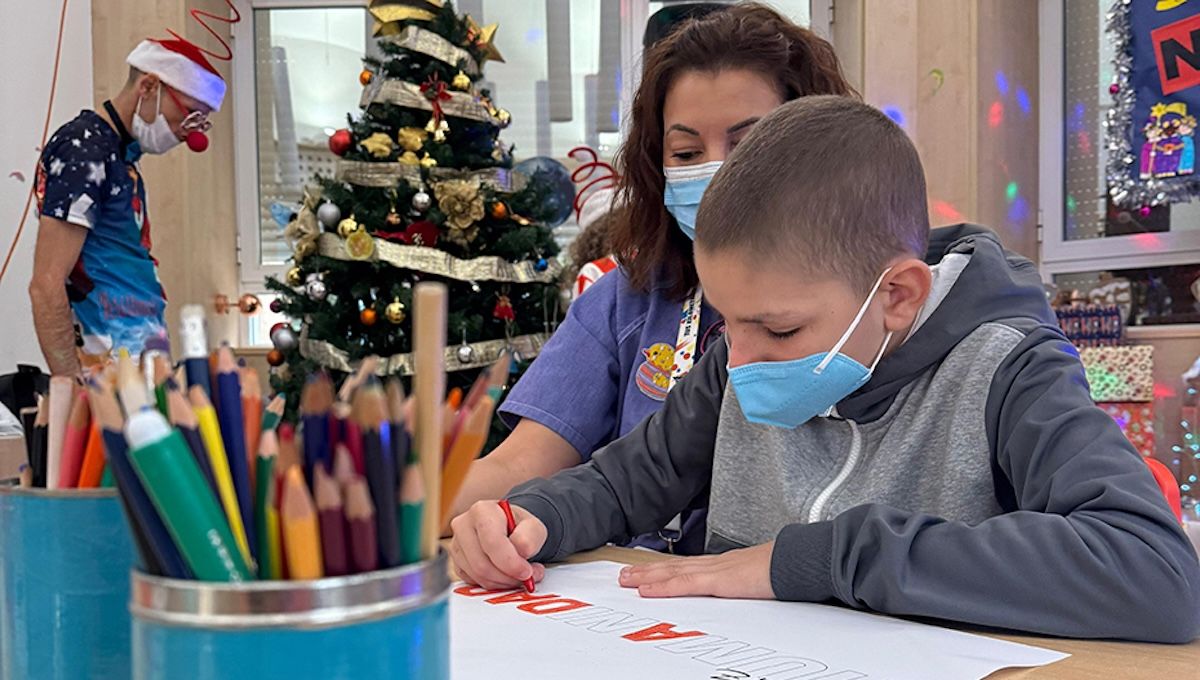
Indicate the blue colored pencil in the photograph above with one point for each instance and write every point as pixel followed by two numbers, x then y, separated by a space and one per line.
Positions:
pixel 316 402
pixel 160 553
pixel 233 434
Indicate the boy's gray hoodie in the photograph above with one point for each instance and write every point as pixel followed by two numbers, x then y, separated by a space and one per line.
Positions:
pixel 971 479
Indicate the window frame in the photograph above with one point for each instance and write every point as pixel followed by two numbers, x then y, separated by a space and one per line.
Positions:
pixel 1059 255
pixel 251 271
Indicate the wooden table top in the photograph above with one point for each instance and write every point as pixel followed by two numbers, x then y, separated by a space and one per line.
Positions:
pixel 1089 660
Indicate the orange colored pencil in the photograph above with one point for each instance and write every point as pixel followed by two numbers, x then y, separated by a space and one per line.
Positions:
pixel 93 458
pixel 74 442
pixel 252 415
pixel 467 447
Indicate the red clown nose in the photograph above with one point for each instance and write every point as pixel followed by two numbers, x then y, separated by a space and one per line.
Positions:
pixel 197 141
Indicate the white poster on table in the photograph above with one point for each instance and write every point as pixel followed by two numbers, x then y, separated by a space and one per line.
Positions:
pixel 581 624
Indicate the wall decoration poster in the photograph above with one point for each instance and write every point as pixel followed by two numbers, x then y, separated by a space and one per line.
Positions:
pixel 1156 98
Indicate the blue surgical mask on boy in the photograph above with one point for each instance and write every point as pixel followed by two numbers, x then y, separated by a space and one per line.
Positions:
pixel 790 393
pixel 685 188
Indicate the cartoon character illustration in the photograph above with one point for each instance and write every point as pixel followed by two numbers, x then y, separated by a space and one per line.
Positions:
pixel 654 375
pixel 1169 149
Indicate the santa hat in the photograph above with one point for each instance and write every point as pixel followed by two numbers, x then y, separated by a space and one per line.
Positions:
pixel 181 65
pixel 598 194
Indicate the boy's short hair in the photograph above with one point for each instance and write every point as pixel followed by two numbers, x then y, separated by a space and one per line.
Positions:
pixel 825 182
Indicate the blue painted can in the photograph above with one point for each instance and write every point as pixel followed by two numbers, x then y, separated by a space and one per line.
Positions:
pixel 65 558
pixel 383 624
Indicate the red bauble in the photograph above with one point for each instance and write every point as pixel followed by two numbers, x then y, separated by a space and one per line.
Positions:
pixel 197 141
pixel 275 358
pixel 368 317
pixel 275 328
pixel 339 142
pixel 276 307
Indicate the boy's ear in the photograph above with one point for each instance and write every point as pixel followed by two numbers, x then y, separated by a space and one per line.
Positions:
pixel 905 290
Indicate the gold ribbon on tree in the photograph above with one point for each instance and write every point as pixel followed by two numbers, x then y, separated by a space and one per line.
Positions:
pixel 482 354
pixel 420 40
pixel 410 95
pixel 440 263
pixel 385 175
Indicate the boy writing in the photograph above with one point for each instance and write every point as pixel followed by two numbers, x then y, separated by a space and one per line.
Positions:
pixel 914 440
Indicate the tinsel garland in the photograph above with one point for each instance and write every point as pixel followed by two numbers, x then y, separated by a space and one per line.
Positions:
pixel 417 39
pixel 409 95
pixel 440 263
pixel 1124 186
pixel 387 175
pixel 482 354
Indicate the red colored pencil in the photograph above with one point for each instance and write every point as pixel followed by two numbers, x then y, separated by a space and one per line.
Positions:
pixel 512 526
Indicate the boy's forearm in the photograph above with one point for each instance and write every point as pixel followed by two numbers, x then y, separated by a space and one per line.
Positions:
pixel 637 483
pixel 55 329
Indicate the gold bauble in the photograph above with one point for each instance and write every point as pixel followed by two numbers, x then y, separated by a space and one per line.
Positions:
pixel 293 277
pixel 395 312
pixel 428 162
pixel 394 219
pixel 364 78
pixel 409 158
pixel 347 226
pixel 461 82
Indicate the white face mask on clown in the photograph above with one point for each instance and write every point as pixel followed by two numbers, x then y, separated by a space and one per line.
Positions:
pixel 155 137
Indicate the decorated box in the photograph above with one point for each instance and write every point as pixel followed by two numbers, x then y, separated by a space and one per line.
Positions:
pixel 1119 374
pixel 1136 420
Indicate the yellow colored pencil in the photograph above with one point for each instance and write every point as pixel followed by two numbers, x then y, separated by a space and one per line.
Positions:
pixel 210 432
pixel 301 531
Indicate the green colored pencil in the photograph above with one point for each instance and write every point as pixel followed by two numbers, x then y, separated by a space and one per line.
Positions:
pixel 163 462
pixel 268 448
pixel 409 512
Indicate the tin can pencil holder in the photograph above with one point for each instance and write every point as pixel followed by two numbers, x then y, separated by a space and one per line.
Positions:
pixel 65 557
pixel 392 623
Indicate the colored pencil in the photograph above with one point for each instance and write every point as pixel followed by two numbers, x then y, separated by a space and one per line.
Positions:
pixel 26 476
pixel 252 415
pixel 229 414
pixel 160 556
pixel 449 416
pixel 370 412
pixel 360 515
pixel 298 517
pixel 268 449
pixel 343 467
pixel 62 396
pixel 287 459
pixel 498 376
pixel 316 400
pixel 181 415
pixel 193 334
pixel 74 442
pixel 273 413
pixel 38 446
pixel 478 389
pixel 412 502
pixel 511 527
pixel 334 548
pixel 162 371
pixel 429 387
pixel 131 385
pixel 397 418
pixel 210 432
pixel 91 474
pixel 165 465
pixel 467 448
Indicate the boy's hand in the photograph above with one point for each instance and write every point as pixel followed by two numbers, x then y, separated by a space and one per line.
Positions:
pixel 485 555
pixel 742 574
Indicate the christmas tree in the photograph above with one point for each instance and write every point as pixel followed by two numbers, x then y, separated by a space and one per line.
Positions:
pixel 424 190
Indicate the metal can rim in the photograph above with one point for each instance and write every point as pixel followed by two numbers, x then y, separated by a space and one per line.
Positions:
pixel 322 603
pixel 79 494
